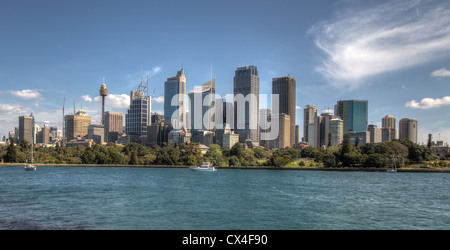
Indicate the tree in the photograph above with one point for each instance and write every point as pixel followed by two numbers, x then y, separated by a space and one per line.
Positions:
pixel 133 158
pixel 279 161
pixel 88 157
pixel 375 160
pixel 329 160
pixel 11 153
pixel 237 150
pixel 214 153
pixel 191 160
pixel 233 161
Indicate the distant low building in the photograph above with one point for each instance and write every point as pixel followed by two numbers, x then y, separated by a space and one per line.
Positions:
pixel 86 143
pixel 440 150
pixel 158 134
pixel 96 133
pixel 179 137
pixel 364 137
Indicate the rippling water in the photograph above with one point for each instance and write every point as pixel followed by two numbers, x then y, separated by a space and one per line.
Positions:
pixel 133 198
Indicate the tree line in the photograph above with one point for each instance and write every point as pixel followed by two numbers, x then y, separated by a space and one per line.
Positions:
pixel 403 152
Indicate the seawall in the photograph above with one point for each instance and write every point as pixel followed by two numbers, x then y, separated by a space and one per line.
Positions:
pixel 404 170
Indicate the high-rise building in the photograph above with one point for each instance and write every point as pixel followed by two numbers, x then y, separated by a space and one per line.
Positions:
pixel 158 134
pixel 284 134
pixel 297 134
pixel 77 125
pixel 175 87
pixel 336 131
pixel 157 118
pixel 388 130
pixel 407 128
pixel 354 113
pixel 246 104
pixel 54 133
pixel 375 133
pixel 309 116
pixel 113 125
pixel 285 87
pixel 264 120
pixel 138 116
pixel 96 133
pixel 43 136
pixel 322 134
pixel 200 95
pixel 26 128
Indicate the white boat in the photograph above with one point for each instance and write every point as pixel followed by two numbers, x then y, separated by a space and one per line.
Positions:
pixel 205 167
pixel 30 167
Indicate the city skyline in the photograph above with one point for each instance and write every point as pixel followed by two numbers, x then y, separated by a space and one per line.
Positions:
pixel 59 50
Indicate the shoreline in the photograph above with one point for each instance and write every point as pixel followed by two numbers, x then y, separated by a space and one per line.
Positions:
pixel 404 170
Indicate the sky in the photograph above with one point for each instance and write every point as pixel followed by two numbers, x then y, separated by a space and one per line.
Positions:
pixel 395 54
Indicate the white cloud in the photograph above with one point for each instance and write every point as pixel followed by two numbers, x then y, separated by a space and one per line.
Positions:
pixel 159 99
pixel 440 73
pixel 26 94
pixel 298 107
pixel 86 98
pixel 10 109
pixel 391 36
pixel 428 103
pixel 115 101
pixel 155 70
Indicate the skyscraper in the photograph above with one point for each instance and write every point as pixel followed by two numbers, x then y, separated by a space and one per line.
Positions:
pixel 246 103
pixel 113 125
pixel 284 138
pixel 26 128
pixel 388 131
pixel 407 128
pixel 175 87
pixel 264 119
pixel 309 117
pixel 337 131
pixel 354 113
pixel 198 111
pixel 285 88
pixel 138 116
pixel 77 125
pixel 297 134
pixel 375 133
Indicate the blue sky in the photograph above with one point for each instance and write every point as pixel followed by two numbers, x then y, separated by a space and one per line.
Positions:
pixel 395 54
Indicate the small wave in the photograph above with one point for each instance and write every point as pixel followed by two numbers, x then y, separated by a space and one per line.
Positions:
pixel 32 225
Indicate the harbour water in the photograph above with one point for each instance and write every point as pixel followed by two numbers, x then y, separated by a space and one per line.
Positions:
pixel 157 198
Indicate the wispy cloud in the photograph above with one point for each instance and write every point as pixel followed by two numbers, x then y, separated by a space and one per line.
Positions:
pixel 86 98
pixel 429 103
pixel 391 36
pixel 26 94
pixel 11 109
pixel 115 101
pixel 159 99
pixel 440 73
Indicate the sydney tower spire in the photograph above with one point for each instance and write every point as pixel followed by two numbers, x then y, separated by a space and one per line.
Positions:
pixel 103 93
